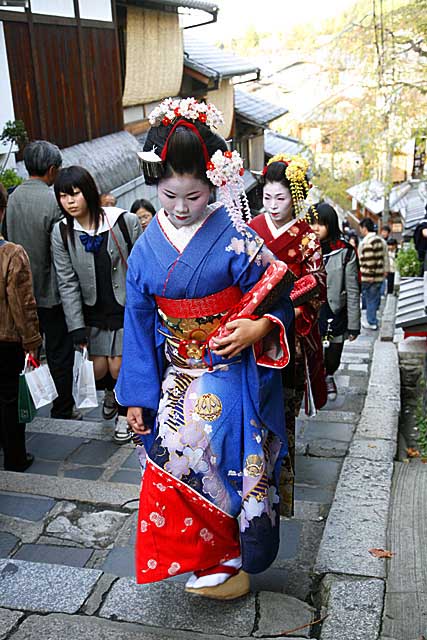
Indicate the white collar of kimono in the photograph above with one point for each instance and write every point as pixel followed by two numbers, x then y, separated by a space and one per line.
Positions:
pixel 110 216
pixel 278 232
pixel 182 236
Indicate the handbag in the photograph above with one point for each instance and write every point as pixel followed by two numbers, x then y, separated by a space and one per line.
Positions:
pixel 304 289
pixel 26 408
pixel 84 387
pixel 260 299
pixel 40 383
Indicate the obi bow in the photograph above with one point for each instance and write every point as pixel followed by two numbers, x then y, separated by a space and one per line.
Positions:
pixel 91 244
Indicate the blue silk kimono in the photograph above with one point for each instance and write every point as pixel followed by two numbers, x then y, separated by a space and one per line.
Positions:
pixel 209 488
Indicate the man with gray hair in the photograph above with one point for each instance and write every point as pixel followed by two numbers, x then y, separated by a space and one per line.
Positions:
pixel 31 213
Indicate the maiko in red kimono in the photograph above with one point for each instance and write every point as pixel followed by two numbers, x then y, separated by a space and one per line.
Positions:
pixel 296 244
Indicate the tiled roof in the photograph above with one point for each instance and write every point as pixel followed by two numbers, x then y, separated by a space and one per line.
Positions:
pixel 112 160
pixel 249 180
pixel 412 209
pixel 370 194
pixel 412 304
pixel 255 110
pixel 275 143
pixel 213 62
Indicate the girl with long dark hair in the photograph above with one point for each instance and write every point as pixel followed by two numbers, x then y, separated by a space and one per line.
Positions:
pixel 340 315
pixel 90 251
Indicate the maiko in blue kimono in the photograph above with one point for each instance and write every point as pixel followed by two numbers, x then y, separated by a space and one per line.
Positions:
pixel 209 499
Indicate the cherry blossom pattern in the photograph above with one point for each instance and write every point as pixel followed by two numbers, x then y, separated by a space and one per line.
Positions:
pixel 151 565
pixel 206 535
pixel 157 519
pixel 188 522
pixel 143 525
pixel 253 247
pixel 174 568
pixel 178 465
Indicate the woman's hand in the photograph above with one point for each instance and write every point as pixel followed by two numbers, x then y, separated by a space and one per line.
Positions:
pixel 245 332
pixel 351 337
pixel 136 421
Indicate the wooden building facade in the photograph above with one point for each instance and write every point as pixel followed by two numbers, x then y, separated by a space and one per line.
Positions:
pixel 64 70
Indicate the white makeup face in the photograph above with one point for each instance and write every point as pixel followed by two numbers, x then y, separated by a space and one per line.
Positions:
pixel 277 201
pixel 320 230
pixel 75 205
pixel 184 199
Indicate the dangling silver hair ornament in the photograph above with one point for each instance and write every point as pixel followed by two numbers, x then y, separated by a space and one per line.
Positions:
pixel 225 170
pixel 151 164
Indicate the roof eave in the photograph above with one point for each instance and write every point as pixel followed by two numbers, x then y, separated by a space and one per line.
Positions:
pixel 258 123
pixel 208 7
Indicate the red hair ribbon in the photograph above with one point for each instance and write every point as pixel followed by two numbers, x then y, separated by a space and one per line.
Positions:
pixel 184 123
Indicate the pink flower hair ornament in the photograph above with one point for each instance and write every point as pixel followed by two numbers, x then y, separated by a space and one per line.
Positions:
pixel 224 169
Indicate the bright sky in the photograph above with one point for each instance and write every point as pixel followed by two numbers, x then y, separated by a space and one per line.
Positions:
pixel 235 16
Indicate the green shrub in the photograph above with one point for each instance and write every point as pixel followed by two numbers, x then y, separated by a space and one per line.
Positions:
pixel 9 178
pixel 407 262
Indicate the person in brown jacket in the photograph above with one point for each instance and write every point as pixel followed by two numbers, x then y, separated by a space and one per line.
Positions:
pixel 19 334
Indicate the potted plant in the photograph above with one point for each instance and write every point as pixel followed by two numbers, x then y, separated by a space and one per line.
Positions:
pixel 407 262
pixel 13 133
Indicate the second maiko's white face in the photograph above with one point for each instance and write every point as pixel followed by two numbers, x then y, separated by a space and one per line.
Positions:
pixel 184 199
pixel 277 200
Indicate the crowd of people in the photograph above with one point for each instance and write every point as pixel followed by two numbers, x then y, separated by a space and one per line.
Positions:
pixel 207 385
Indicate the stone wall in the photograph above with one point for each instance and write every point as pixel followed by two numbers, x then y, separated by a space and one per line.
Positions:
pixel 412 358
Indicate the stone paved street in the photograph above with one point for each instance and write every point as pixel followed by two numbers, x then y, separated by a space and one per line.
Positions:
pixel 67 532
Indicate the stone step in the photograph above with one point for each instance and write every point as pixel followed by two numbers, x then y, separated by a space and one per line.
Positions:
pixel 67 627
pixel 57 589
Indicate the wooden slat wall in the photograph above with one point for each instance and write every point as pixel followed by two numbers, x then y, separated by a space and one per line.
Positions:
pixel 59 78
pixel 22 75
pixel 104 81
pixel 61 84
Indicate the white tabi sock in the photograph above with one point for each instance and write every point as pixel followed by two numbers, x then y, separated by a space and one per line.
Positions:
pixel 213 579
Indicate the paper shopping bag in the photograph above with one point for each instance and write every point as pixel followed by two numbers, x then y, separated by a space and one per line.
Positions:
pixel 40 383
pixel 26 408
pixel 84 388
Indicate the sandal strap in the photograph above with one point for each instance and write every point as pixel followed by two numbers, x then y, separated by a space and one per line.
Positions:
pixel 219 568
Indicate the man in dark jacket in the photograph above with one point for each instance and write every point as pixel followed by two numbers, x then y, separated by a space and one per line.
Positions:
pixel 31 213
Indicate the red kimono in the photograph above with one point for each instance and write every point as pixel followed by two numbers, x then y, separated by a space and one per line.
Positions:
pixel 299 248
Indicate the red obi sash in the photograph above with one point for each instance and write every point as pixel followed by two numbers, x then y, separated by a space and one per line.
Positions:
pixel 199 307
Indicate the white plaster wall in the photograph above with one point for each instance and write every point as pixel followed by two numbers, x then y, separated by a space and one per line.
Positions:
pixel 96 10
pixel 20 9
pixel 6 101
pixel 63 8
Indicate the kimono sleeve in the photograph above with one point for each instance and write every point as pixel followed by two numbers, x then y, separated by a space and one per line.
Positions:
pixel 251 260
pixel 312 263
pixel 139 382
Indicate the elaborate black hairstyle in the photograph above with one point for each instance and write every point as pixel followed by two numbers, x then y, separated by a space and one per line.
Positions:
pixel 74 177
pixel 327 217
pixel 185 152
pixel 275 172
